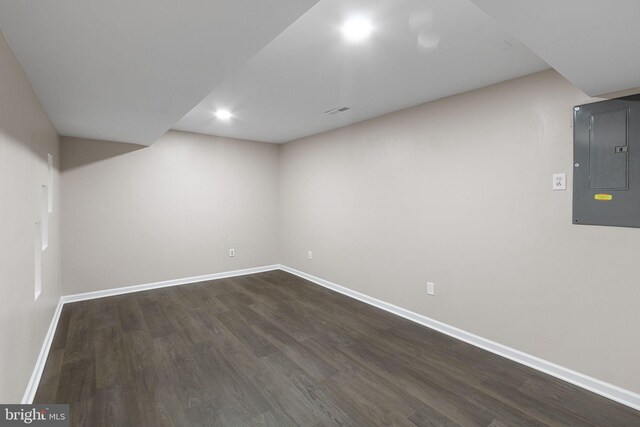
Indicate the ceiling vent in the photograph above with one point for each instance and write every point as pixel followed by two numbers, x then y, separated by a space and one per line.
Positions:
pixel 337 110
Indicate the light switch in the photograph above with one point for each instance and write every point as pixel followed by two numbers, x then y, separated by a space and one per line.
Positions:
pixel 559 181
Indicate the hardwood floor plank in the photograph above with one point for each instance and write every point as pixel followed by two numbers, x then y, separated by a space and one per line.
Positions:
pixel 298 353
pixel 386 408
pixel 452 405
pixel 204 415
pixel 272 349
pixel 176 357
pixel 48 386
pixel 566 397
pixel 79 343
pixel 156 319
pixel 511 395
pixel 449 382
pixel 77 382
pixel 431 418
pixel 300 397
pixel 62 329
pixel 130 315
pixel 241 329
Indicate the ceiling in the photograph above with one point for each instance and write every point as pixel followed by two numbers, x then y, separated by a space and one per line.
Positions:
pixel 282 93
pixel 594 44
pixel 128 71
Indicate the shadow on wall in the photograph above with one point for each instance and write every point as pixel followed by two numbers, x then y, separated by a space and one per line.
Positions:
pixel 620 94
pixel 102 150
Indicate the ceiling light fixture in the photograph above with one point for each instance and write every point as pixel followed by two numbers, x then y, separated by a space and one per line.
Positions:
pixel 357 28
pixel 223 114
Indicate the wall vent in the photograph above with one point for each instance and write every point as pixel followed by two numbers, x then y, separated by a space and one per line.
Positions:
pixel 337 110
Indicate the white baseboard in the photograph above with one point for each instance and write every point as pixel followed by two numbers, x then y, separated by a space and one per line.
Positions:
pixel 175 282
pixel 602 388
pixel 610 391
pixel 34 381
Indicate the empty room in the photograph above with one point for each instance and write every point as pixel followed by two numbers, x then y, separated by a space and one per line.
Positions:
pixel 320 213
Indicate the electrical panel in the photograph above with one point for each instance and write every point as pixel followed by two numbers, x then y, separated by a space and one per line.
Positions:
pixel 606 163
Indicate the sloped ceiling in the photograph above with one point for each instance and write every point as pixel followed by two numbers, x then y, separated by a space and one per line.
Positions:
pixel 282 93
pixel 127 70
pixel 593 43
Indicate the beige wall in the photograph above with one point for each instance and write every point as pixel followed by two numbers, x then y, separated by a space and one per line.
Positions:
pixel 455 191
pixel 458 192
pixel 26 137
pixel 135 215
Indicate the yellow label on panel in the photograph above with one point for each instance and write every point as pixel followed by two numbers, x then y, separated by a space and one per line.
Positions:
pixel 603 197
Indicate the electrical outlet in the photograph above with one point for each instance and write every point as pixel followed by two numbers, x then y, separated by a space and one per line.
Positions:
pixel 559 181
pixel 232 252
pixel 309 255
pixel 431 288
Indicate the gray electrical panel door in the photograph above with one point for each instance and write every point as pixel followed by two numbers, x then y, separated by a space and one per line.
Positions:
pixel 606 173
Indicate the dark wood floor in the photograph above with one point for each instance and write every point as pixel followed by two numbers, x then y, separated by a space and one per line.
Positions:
pixel 273 349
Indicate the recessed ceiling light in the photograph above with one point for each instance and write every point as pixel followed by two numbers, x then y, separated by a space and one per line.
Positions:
pixel 357 28
pixel 223 114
